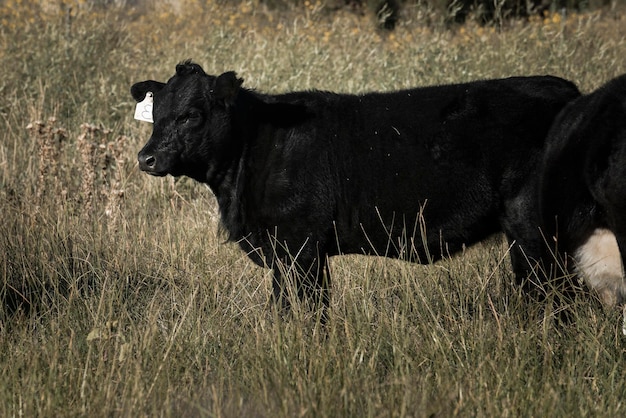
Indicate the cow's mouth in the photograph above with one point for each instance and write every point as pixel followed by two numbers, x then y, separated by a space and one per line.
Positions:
pixel 155 173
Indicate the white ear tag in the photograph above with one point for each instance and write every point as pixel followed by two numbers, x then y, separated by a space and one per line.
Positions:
pixel 143 110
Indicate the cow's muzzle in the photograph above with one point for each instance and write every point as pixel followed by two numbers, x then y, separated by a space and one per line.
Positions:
pixel 148 163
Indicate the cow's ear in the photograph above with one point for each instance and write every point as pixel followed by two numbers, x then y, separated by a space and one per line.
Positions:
pixel 227 87
pixel 139 90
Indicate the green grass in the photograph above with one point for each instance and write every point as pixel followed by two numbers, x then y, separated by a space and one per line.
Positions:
pixel 121 298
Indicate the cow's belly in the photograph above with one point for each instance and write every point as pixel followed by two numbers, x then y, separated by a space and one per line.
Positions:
pixel 412 238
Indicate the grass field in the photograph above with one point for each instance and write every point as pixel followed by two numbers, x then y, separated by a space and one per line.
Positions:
pixel 120 297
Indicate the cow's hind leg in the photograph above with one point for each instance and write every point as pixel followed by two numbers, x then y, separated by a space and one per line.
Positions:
pixel 524 237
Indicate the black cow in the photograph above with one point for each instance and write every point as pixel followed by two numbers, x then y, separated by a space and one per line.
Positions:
pixel 583 191
pixel 415 174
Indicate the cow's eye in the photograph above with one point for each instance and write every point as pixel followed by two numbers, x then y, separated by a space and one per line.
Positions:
pixel 192 116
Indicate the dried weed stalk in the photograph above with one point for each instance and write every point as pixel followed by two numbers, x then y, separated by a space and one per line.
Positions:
pixel 87 148
pixel 102 162
pixel 50 140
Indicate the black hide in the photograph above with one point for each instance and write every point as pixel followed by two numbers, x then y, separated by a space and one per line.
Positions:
pixel 415 174
pixel 583 179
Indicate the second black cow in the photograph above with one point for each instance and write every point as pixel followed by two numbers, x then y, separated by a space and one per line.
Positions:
pixel 415 174
pixel 583 192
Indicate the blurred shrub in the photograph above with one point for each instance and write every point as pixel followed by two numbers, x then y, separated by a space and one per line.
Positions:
pixel 388 12
pixel 498 10
pixel 385 12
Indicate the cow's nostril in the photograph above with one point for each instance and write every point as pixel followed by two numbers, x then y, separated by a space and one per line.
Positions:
pixel 147 162
pixel 150 161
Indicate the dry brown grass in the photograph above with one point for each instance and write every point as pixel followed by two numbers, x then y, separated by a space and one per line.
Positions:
pixel 120 297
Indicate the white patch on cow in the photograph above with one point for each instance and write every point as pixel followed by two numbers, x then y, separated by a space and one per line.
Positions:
pixel 599 263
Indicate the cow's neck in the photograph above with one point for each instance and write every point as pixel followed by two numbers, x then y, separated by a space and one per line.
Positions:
pixel 256 121
pixel 226 178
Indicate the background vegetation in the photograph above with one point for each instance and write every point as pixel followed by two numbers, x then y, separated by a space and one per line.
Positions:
pixel 120 298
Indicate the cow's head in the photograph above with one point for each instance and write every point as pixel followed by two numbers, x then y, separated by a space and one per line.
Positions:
pixel 192 121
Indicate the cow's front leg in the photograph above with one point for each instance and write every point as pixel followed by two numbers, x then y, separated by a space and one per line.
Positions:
pixel 309 281
pixel 279 292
